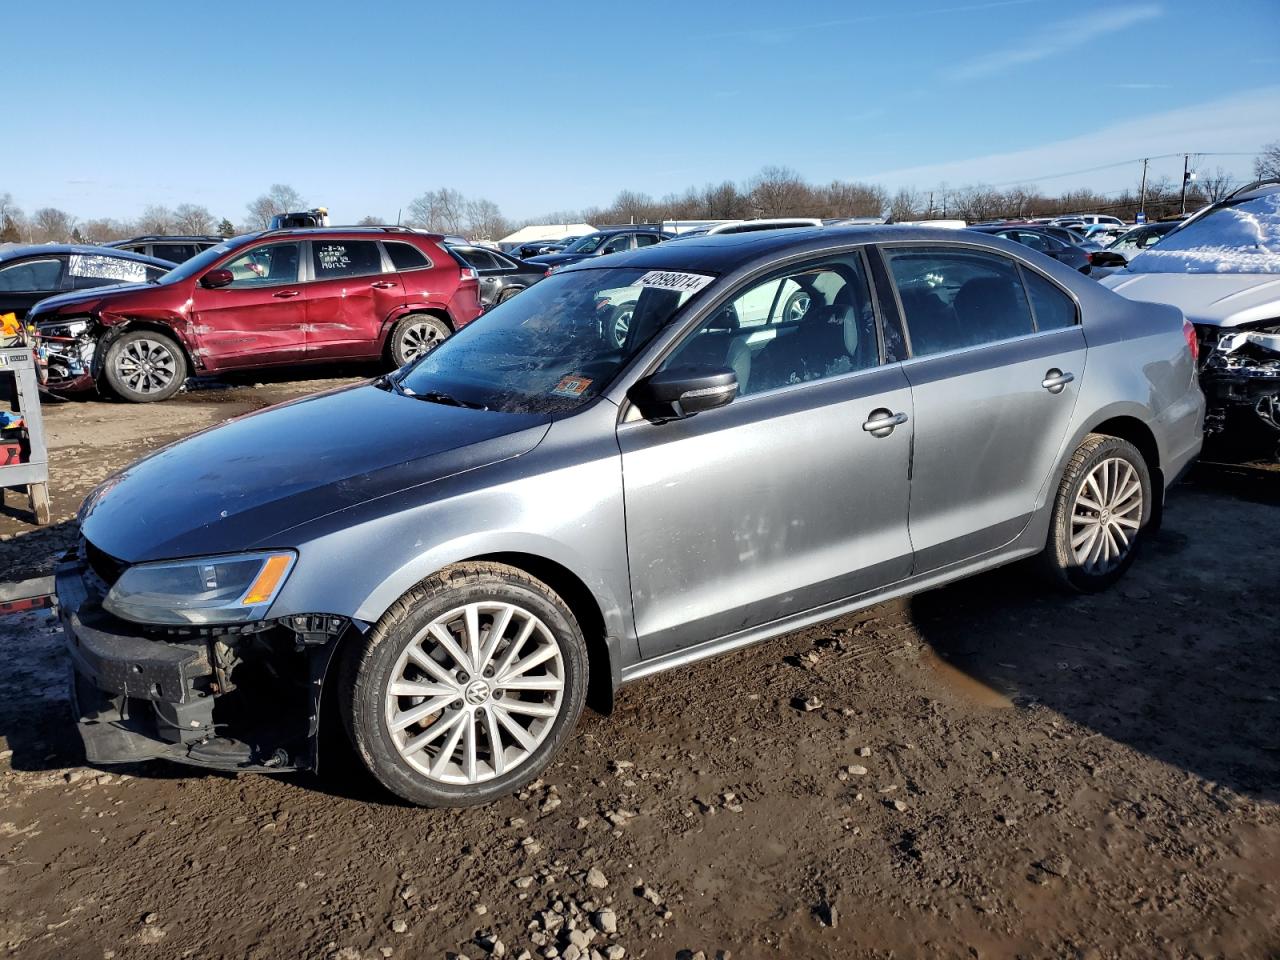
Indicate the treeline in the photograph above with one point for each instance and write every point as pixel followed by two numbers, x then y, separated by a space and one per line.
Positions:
pixel 773 192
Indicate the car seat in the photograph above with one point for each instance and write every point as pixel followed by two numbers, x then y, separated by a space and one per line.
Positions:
pixel 934 326
pixel 992 308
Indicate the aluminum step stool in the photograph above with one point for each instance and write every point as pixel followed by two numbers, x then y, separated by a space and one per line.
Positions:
pixel 18 367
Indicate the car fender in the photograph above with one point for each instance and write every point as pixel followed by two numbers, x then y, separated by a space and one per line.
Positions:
pixel 513 545
pixel 178 326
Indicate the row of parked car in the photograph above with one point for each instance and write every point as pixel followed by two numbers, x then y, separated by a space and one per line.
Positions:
pixel 125 320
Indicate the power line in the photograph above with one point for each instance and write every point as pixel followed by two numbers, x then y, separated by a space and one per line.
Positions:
pixel 1112 166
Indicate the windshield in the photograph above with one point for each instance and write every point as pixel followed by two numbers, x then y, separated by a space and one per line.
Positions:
pixel 587 244
pixel 554 347
pixel 1242 237
pixel 201 261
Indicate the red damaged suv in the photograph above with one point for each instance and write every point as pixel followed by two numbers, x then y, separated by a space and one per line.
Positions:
pixel 263 299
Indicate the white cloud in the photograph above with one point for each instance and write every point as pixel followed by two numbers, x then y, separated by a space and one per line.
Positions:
pixel 1056 38
pixel 1240 123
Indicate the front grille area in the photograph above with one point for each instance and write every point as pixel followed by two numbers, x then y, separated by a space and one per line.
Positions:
pixel 106 567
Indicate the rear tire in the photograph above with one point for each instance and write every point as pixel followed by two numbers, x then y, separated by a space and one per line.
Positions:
pixel 142 366
pixel 1100 516
pixel 443 712
pixel 415 335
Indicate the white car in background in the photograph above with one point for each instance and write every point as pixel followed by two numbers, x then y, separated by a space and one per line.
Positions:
pixel 1222 269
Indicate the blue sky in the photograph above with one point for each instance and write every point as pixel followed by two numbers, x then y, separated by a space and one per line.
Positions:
pixel 550 106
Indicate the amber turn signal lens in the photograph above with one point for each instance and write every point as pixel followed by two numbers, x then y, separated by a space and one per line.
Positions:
pixel 273 572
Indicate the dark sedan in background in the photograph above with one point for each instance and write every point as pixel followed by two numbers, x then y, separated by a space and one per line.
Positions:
pixel 501 276
pixel 178 249
pixel 602 242
pixel 29 274
pixel 1069 254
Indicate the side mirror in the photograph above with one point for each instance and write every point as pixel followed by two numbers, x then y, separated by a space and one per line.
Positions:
pixel 217 278
pixel 683 391
pixel 1108 258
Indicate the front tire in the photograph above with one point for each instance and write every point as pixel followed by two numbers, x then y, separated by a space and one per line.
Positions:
pixel 1100 515
pixel 142 366
pixel 467 687
pixel 415 335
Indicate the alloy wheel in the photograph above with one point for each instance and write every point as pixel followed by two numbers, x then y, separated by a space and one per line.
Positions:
pixel 475 692
pixel 797 307
pixel 419 338
pixel 146 366
pixel 1106 515
pixel 622 324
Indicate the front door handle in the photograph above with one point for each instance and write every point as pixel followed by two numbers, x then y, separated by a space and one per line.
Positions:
pixel 881 422
pixel 383 284
pixel 285 294
pixel 1055 381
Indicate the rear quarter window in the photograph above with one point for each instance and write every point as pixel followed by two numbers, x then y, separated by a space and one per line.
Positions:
pixel 405 256
pixel 1054 310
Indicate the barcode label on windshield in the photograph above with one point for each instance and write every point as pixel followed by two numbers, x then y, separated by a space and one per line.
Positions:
pixel 665 280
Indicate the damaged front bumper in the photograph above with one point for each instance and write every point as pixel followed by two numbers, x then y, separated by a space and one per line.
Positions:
pixel 68 363
pixel 1241 382
pixel 241 699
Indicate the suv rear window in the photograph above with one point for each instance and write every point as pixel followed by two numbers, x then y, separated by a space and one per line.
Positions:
pixel 405 256
pixel 333 259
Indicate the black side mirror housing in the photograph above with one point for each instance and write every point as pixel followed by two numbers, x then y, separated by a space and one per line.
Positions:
pixel 681 392
pixel 1108 258
pixel 217 278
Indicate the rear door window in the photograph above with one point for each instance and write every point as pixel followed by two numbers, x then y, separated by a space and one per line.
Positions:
pixel 956 298
pixel 646 239
pixel 335 259
pixel 175 252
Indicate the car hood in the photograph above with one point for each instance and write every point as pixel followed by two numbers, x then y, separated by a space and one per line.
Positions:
pixel 242 484
pixel 85 299
pixel 1224 299
pixel 556 259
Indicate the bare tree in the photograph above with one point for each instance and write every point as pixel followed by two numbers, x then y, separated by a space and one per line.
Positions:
pixel 281 198
pixel 156 218
pixel 192 218
pixel 485 220
pixel 105 229
pixel 441 211
pixel 779 192
pixel 11 220
pixel 906 205
pixel 51 225
pixel 1267 162
pixel 370 221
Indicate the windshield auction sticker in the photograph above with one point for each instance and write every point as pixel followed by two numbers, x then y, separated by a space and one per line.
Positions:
pixel 571 387
pixel 666 280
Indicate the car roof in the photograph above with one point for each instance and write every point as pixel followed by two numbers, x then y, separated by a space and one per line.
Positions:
pixel 634 228
pixel 722 252
pixel 62 249
pixel 384 232
pixel 167 237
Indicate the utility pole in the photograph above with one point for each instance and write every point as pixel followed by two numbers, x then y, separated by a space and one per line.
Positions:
pixel 1186 175
pixel 1142 194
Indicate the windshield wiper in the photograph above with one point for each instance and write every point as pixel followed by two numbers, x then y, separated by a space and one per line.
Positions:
pixel 435 396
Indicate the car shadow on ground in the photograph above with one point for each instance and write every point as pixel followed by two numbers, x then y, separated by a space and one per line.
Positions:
pixel 1178 660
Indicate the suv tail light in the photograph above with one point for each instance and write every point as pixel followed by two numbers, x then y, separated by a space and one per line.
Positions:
pixel 469 273
pixel 1193 342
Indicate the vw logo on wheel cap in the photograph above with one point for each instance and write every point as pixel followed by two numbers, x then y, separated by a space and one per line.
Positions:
pixel 476 693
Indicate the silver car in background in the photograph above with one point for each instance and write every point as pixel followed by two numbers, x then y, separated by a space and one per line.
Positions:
pixel 458 556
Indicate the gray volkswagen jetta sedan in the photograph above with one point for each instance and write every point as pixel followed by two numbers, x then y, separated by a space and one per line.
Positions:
pixel 456 557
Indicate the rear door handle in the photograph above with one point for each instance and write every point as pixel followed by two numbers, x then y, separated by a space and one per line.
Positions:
pixel 383 284
pixel 881 422
pixel 285 294
pixel 1055 381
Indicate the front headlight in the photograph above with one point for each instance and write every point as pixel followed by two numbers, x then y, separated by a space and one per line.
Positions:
pixel 231 589
pixel 69 329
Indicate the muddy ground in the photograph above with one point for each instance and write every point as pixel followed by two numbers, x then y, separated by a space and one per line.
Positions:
pixel 988 770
